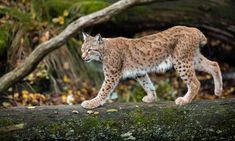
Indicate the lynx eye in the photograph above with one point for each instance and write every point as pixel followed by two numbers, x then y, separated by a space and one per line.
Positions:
pixel 89 50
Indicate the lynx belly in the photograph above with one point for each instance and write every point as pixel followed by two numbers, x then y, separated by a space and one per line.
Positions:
pixel 162 67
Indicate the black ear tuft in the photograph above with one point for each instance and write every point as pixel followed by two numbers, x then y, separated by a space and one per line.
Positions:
pixel 85 35
pixel 99 39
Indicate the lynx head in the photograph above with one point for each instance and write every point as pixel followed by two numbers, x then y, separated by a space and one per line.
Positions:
pixel 92 47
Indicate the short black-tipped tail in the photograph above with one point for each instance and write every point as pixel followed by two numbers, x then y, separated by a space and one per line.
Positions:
pixel 203 39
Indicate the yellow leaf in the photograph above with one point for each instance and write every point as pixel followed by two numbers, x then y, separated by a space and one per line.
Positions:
pixel 33 15
pixel 66 79
pixel 82 98
pixel 23 1
pixel 78 93
pixel 70 99
pixel 25 92
pixel 66 13
pixel 31 107
pixel 6 104
pixel 55 20
pixel 112 110
pixel 20 126
pixel 64 98
pixel 16 95
pixel 70 92
pixel 90 112
pixel 61 20
pixel 96 113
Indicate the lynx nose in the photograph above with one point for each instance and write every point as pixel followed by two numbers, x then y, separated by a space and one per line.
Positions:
pixel 83 56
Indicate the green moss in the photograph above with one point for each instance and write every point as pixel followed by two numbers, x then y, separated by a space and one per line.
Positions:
pixel 169 116
pixel 4 38
pixel 139 117
pixel 137 11
pixel 90 122
pixel 88 7
pixel 6 122
pixel 17 14
pixel 56 8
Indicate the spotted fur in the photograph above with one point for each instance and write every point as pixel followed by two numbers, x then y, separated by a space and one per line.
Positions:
pixel 176 47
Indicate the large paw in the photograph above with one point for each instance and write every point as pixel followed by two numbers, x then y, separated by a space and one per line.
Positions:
pixel 218 92
pixel 148 99
pixel 90 104
pixel 181 101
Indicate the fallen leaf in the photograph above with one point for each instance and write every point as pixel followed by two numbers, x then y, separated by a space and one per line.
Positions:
pixel 31 107
pixel 75 112
pixel 19 126
pixel 66 79
pixel 66 13
pixel 59 20
pixel 96 113
pixel 6 104
pixel 112 110
pixel 66 65
pixel 90 112
pixel 70 99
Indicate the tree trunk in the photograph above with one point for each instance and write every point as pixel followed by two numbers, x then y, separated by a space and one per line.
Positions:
pixel 201 120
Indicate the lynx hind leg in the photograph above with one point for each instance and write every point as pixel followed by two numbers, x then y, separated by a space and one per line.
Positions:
pixel 149 88
pixel 187 74
pixel 203 64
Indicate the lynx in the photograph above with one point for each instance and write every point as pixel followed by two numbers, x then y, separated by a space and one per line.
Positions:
pixel 177 47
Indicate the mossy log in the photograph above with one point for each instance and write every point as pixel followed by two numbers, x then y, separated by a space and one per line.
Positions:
pixel 201 120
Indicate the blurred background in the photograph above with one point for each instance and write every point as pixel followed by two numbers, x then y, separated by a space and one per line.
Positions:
pixel 64 78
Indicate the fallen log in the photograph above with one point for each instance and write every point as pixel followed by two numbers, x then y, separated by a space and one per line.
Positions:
pixel 201 120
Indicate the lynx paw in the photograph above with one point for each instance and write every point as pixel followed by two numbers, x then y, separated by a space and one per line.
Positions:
pixel 218 92
pixel 181 101
pixel 90 104
pixel 148 99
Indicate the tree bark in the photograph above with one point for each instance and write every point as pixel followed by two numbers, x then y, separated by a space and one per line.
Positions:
pixel 45 48
pixel 201 120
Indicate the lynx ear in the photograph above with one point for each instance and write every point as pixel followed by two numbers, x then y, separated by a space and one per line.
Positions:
pixel 99 39
pixel 85 35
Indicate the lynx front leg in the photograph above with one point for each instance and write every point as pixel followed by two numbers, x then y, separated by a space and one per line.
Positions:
pixel 108 85
pixel 146 83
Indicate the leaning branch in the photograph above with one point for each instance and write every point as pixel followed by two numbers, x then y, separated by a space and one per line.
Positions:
pixel 45 48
